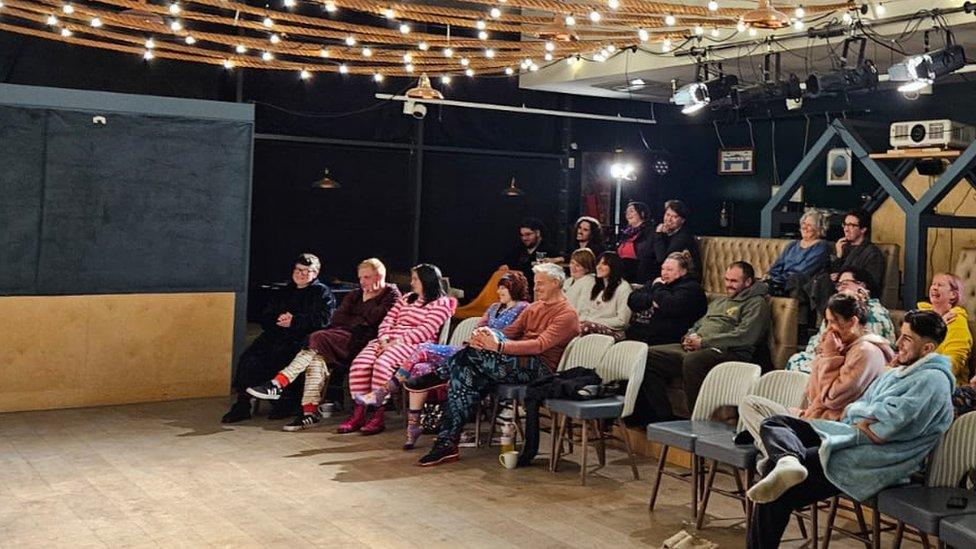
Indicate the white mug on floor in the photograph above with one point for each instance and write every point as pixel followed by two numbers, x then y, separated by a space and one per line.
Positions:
pixel 508 459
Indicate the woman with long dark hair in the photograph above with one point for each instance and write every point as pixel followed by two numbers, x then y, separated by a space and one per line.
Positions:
pixel 606 311
pixel 415 319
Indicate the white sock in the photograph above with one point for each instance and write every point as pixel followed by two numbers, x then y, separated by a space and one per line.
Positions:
pixel 787 473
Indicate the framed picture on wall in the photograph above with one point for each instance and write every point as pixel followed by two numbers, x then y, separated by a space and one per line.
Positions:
pixel 736 161
pixel 839 167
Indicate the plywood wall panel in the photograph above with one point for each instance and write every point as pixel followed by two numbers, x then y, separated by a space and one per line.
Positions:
pixel 72 351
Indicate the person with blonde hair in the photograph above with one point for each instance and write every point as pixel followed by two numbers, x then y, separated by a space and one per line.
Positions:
pixel 801 259
pixel 582 277
pixel 945 298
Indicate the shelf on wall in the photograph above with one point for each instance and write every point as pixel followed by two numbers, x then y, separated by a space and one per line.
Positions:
pixel 901 154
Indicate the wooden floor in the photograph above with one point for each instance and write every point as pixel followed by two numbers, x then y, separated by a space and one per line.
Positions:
pixel 170 475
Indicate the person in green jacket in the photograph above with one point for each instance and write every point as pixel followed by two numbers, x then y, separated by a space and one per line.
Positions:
pixel 733 328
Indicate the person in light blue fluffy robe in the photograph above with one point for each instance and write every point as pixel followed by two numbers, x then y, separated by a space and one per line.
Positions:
pixel 883 438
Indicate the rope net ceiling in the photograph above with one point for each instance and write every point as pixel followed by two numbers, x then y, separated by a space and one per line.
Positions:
pixel 372 37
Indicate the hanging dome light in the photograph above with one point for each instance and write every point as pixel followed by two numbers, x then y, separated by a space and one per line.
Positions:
pixel 326 182
pixel 424 90
pixel 765 16
pixel 512 190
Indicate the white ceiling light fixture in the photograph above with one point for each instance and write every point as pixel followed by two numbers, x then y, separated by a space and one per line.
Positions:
pixel 495 13
pixel 670 20
pixel 595 16
pixel 643 35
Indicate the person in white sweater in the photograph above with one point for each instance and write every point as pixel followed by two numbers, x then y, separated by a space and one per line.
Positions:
pixel 605 310
pixel 579 285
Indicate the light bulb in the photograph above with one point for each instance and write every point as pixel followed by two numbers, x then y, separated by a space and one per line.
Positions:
pixel 613 4
pixel 68 8
pixel 469 72
pixel 740 26
pixel 66 33
pixel 147 55
pixel 304 75
pixel 879 10
pixel 798 25
pixel 465 62
pixel 241 48
pixel 404 28
pixel 669 20
pixel 343 69
pixel 445 79
pixel 330 6
pixel 509 71
pixel 595 16
pixel 752 31
pixel 389 13
pixel 190 40
pixel 378 77
pixel 174 9
pixel 289 3
pixel 448 52
pixel 480 24
pixel 533 67
pixel 409 67
pixel 483 35
pixel 666 45
pixel 324 52
pixel 570 20
pixel 367 52
pixel 267 56
pixel 350 40
pixel 176 26
pixel 150 44
pixel 611 48
pixel 547 57
pixel 846 18
pixel 699 30
pixel 268 22
pixel 599 58
pixel 408 57
pixel 495 13
pixel 643 35
pixel 489 53
pixel 274 38
pixel 228 64
pixel 712 5
pixel 96 22
pixel 550 46
pixel 799 12
pixel 714 32
pixel 52 20
pixel 423 46
pixel 570 60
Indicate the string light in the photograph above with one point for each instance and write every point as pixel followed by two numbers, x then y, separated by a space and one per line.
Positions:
pixel 66 33
pixel 879 9
pixel 483 35
pixel 469 72
pixel 350 40
pixel 534 67
pixel 714 32
pixel 550 46
pixel 699 30
pixel 448 52
pixel 611 48
pixel 343 69
pixel 548 57
pixel 570 20
pixel 330 6
pixel 643 35
pixel 599 58
pixel 304 75
pixel 267 56
pixel 798 25
pixel 174 8
pixel 446 79
pixel 846 18
pixel 490 53
pixel 228 64
pixel 289 3
pixel 712 5
pixel 274 38
pixel 408 67
pixel 150 44
pixel 509 71
pixel 495 13
pixel 666 45
pixel 96 22
pixel 147 55
pixel 241 49
pixel 268 22
pixel 752 31
pixel 190 40
pixel 408 57
pixel 799 12
pixel 423 46
pixel 68 8
pixel 669 20
pixel 367 52
pixel 324 52
pixel 378 77
pixel 389 13
pixel 480 24
pixel 176 26
pixel 740 26
pixel 404 28
pixel 595 16
pixel 613 4
pixel 465 62
pixel 52 20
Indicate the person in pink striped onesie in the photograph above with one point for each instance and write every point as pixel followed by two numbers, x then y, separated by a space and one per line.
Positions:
pixel 415 318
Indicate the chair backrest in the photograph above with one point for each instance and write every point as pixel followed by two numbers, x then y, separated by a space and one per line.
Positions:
pixel 585 351
pixel 445 332
pixel 725 385
pixel 462 332
pixel 782 387
pixel 625 360
pixel 955 456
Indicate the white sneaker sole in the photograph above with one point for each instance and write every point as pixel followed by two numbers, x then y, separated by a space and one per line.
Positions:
pixel 262 396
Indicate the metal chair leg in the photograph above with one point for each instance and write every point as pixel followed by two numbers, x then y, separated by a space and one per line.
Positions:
pixel 695 473
pixel 708 491
pixel 630 451
pixel 584 443
pixel 831 515
pixel 657 481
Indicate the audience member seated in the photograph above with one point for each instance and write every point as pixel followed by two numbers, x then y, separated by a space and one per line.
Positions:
pixel 415 318
pixel 430 359
pixel 854 251
pixel 579 285
pixel 883 438
pixel 530 250
pixel 878 320
pixel 732 329
pixel 589 236
pixel 964 398
pixel 672 235
pixel 301 307
pixel 605 311
pixel 801 259
pixel 534 345
pixel 945 296
pixel 848 360
pixel 636 241
pixel 664 309
pixel 353 325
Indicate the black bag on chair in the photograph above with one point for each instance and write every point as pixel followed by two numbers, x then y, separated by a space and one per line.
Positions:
pixel 573 384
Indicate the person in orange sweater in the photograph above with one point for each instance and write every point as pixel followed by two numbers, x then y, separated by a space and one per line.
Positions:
pixel 847 361
pixel 535 343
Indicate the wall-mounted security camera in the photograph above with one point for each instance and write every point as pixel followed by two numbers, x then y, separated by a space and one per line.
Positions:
pixel 416 110
pixel 99 120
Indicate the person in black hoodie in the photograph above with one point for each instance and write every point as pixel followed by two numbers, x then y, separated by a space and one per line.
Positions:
pixel 302 307
pixel 672 235
pixel 665 308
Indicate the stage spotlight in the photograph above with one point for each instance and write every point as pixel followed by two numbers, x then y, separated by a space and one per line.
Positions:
pixel 919 71
pixel 772 91
pixel 695 96
pixel 863 76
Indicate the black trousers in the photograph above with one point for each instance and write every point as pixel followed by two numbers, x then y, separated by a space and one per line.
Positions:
pixel 262 361
pixel 788 436
pixel 666 363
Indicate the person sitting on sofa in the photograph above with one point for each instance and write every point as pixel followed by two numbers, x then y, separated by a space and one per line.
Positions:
pixel 605 311
pixel 854 251
pixel 665 308
pixel 353 325
pixel 635 243
pixel 534 345
pixel 303 306
pixel 672 235
pixel 579 285
pixel 733 328
pixel 801 259
pixel 878 320
pixel 848 359
pixel 883 438
pixel 945 298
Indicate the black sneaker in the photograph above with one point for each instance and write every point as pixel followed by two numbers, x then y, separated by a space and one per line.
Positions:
pixel 240 411
pixel 303 422
pixel 440 453
pixel 268 391
pixel 424 383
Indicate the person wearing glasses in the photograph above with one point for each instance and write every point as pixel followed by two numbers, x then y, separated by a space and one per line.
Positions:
pixel 854 251
pixel 302 307
pixel 878 322
pixel 530 250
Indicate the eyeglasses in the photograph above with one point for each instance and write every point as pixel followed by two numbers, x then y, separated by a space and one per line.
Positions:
pixel 852 225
